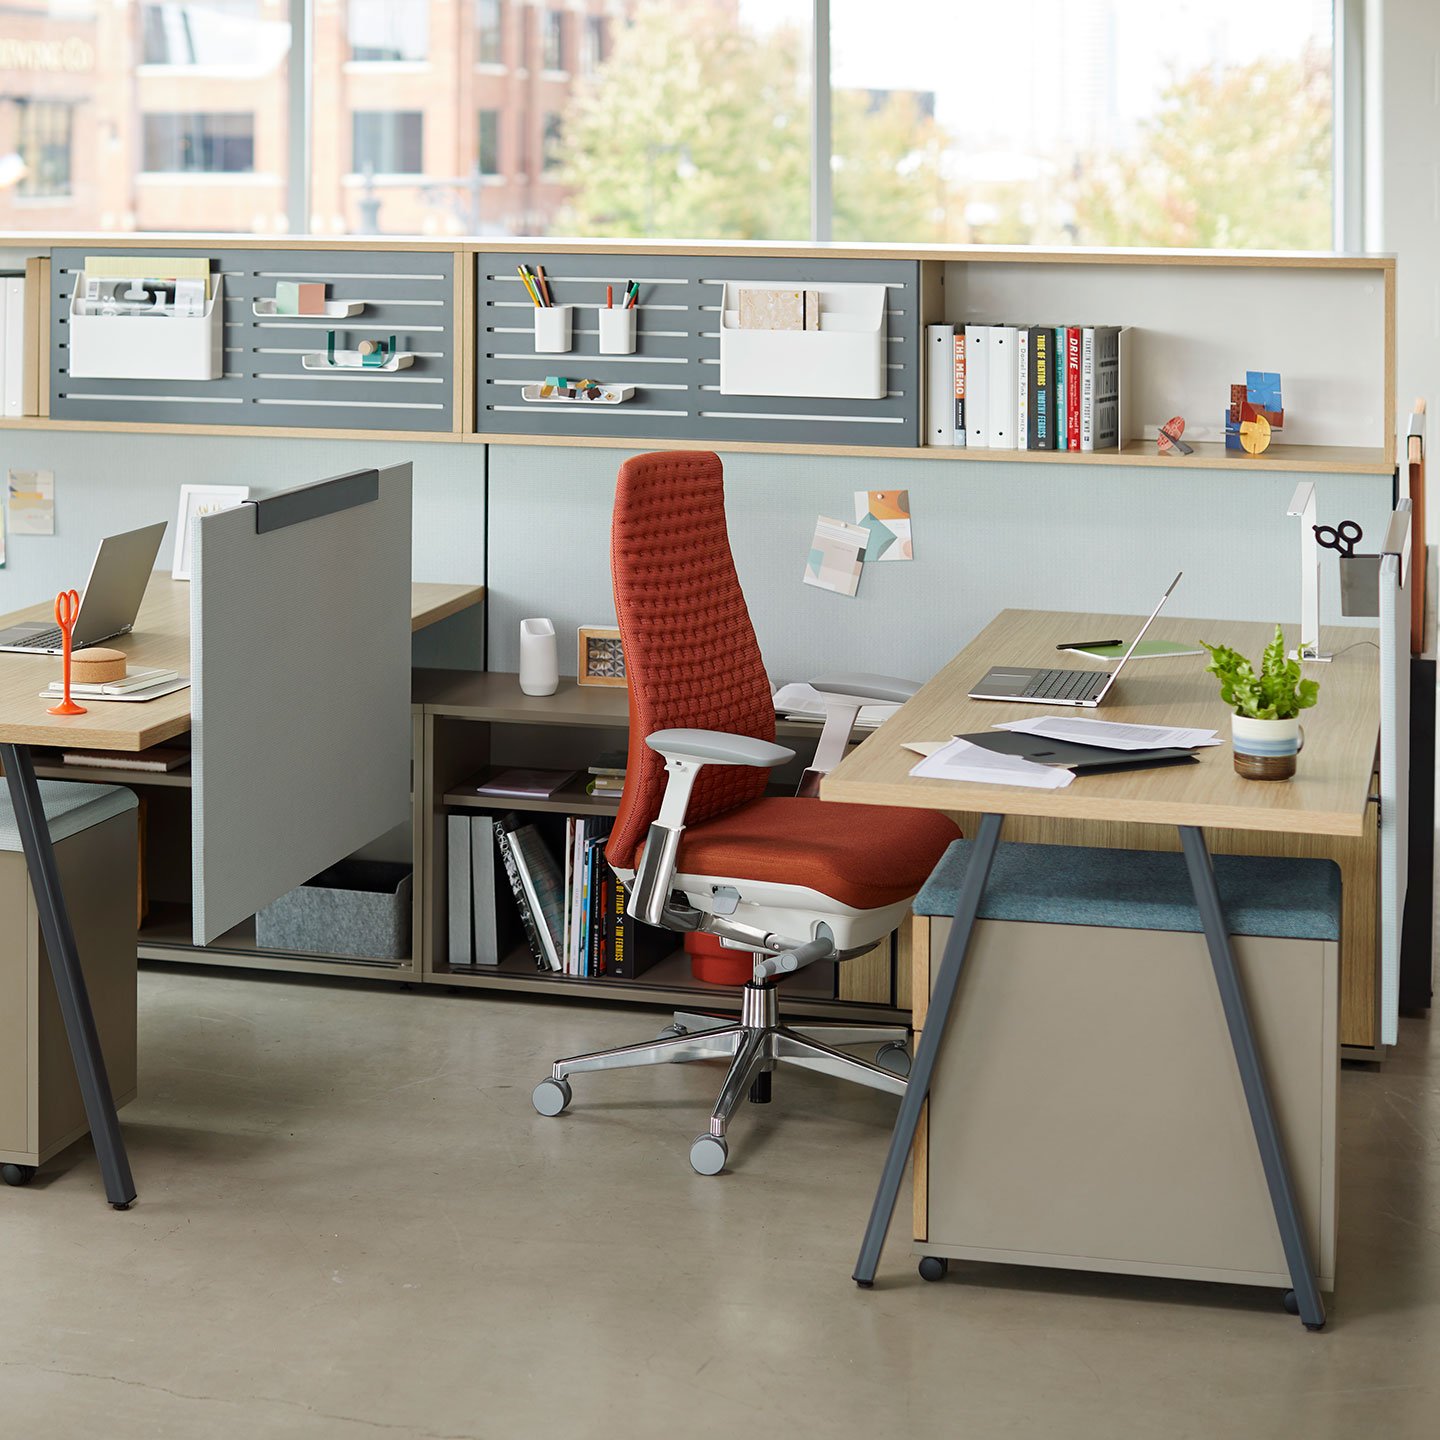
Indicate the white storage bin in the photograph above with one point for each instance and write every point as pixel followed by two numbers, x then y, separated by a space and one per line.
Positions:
pixel 843 359
pixel 552 328
pixel 163 347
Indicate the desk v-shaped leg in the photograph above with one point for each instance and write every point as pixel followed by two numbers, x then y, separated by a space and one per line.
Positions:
pixel 942 999
pixel 69 978
pixel 1252 1078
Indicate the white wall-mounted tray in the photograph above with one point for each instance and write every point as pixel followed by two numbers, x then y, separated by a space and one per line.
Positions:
pixel 334 310
pixel 352 360
pixel 609 395
pixel 146 347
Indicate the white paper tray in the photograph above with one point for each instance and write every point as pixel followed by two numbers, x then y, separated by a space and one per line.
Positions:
pixel 154 347
pixel 334 310
pixel 609 395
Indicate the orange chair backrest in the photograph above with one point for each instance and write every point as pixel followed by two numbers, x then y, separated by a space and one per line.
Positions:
pixel 691 657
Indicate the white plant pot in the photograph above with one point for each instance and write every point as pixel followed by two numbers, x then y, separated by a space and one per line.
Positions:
pixel 1266 749
pixel 539 658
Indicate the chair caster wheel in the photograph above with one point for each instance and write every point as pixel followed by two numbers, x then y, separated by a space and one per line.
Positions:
pixel 1313 1328
pixel 934 1267
pixel 17 1174
pixel 551 1096
pixel 124 1205
pixel 708 1155
pixel 1291 1304
pixel 894 1057
pixel 672 1032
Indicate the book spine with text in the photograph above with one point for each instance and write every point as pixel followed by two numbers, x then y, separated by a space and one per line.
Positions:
pixel 1042 400
pixel 1072 387
pixel 960 385
pixel 1087 388
pixel 1022 388
pixel 522 901
pixel 1107 387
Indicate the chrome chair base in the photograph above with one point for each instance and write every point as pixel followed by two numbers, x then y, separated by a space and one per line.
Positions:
pixel 754 1046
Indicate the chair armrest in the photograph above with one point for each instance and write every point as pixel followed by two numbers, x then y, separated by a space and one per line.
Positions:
pixel 717 747
pixel 885 689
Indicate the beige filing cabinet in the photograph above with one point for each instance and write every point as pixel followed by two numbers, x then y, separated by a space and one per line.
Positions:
pixel 40 1106
pixel 1086 1111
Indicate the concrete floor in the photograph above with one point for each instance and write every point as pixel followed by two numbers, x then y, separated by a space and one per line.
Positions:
pixel 351 1223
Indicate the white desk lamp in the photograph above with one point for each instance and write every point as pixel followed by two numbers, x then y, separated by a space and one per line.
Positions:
pixel 1302 503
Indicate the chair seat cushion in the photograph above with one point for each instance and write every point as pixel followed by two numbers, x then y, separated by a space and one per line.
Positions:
pixel 864 856
pixel 70 807
pixel 1264 895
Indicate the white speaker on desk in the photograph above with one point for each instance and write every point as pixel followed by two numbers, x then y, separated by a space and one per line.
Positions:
pixel 539 662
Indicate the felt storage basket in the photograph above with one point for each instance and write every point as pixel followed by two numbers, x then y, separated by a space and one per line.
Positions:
pixel 358 907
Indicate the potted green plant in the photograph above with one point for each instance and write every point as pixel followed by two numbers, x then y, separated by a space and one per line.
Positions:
pixel 1265 731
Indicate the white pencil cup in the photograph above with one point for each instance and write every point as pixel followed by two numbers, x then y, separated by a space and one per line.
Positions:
pixel 552 329
pixel 617 331
pixel 539 659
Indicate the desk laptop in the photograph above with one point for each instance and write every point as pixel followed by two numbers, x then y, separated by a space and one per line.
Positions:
pixel 111 601
pixel 1084 688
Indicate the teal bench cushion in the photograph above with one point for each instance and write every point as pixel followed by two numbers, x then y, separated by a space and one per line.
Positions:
pixel 1274 896
pixel 69 807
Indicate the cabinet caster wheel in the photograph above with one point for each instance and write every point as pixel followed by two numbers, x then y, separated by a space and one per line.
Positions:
pixel 708 1155
pixel 934 1267
pixel 17 1174
pixel 672 1032
pixel 894 1057
pixel 1291 1304
pixel 551 1096
pixel 127 1204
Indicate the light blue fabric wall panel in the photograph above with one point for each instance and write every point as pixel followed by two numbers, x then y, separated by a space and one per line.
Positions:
pixel 987 536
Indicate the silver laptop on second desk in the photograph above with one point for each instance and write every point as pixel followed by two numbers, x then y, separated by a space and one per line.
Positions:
pixel 111 600
pixel 1086 688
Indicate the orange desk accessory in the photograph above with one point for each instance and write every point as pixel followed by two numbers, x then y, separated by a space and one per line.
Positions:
pixel 67 607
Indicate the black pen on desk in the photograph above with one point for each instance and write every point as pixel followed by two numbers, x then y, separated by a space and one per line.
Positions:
pixel 1087 644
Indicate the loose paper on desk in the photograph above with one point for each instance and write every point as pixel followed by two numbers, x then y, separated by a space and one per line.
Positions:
pixel 806 703
pixel 1112 735
pixel 960 760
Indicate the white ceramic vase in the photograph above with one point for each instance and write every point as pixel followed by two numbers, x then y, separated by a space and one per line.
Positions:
pixel 1266 749
pixel 539 659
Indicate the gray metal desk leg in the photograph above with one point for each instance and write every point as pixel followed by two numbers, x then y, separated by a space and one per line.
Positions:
pixel 942 998
pixel 1252 1076
pixel 69 979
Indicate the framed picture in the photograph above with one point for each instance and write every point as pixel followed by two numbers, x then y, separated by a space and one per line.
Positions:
pixel 601 660
pixel 195 501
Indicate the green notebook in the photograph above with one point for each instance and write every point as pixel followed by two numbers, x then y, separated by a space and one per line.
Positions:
pixel 1145 650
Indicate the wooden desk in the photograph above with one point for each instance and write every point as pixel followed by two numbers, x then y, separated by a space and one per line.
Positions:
pixel 161 638
pixel 1329 796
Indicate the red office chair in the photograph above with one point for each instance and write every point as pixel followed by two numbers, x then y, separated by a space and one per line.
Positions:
pixel 792 880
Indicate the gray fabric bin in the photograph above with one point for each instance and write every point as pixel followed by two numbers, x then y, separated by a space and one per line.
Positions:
pixel 358 907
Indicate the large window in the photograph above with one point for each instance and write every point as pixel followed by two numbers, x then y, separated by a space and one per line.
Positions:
pixel 388 142
pixel 211 33
pixel 488 151
pixel 43 144
pixel 489 32
pixel 389 31
pixel 199 142
pixel 1043 122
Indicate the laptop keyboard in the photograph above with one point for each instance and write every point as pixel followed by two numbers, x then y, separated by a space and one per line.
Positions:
pixel 45 640
pixel 1064 684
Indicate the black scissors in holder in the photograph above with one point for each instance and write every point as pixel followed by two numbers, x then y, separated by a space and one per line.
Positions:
pixel 1341 538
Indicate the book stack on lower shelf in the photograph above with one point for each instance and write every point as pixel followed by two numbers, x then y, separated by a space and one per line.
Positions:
pixel 513 876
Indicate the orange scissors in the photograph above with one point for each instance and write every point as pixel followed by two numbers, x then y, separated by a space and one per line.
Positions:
pixel 67 609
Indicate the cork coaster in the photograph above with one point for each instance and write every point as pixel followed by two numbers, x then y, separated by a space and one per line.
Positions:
pixel 96 666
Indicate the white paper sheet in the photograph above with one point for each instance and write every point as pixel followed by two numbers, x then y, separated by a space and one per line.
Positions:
pixel 960 760
pixel 1112 735
pixel 806 702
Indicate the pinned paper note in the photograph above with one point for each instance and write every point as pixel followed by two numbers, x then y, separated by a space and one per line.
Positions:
pixel 836 556
pixel 32 502
pixel 885 515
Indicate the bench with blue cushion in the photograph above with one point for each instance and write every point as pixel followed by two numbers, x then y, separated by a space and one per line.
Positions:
pixel 1274 896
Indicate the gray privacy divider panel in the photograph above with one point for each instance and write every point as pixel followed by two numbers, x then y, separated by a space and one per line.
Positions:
pixel 300 662
pixel 988 535
pixel 409 294
pixel 676 365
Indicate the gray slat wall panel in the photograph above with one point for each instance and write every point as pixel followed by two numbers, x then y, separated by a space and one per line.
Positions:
pixel 406 293
pixel 676 366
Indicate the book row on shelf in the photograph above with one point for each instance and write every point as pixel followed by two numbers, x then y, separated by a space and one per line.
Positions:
pixel 1024 387
pixel 506 882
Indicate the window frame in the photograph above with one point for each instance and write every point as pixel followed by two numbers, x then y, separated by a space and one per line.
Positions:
pixel 185 125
